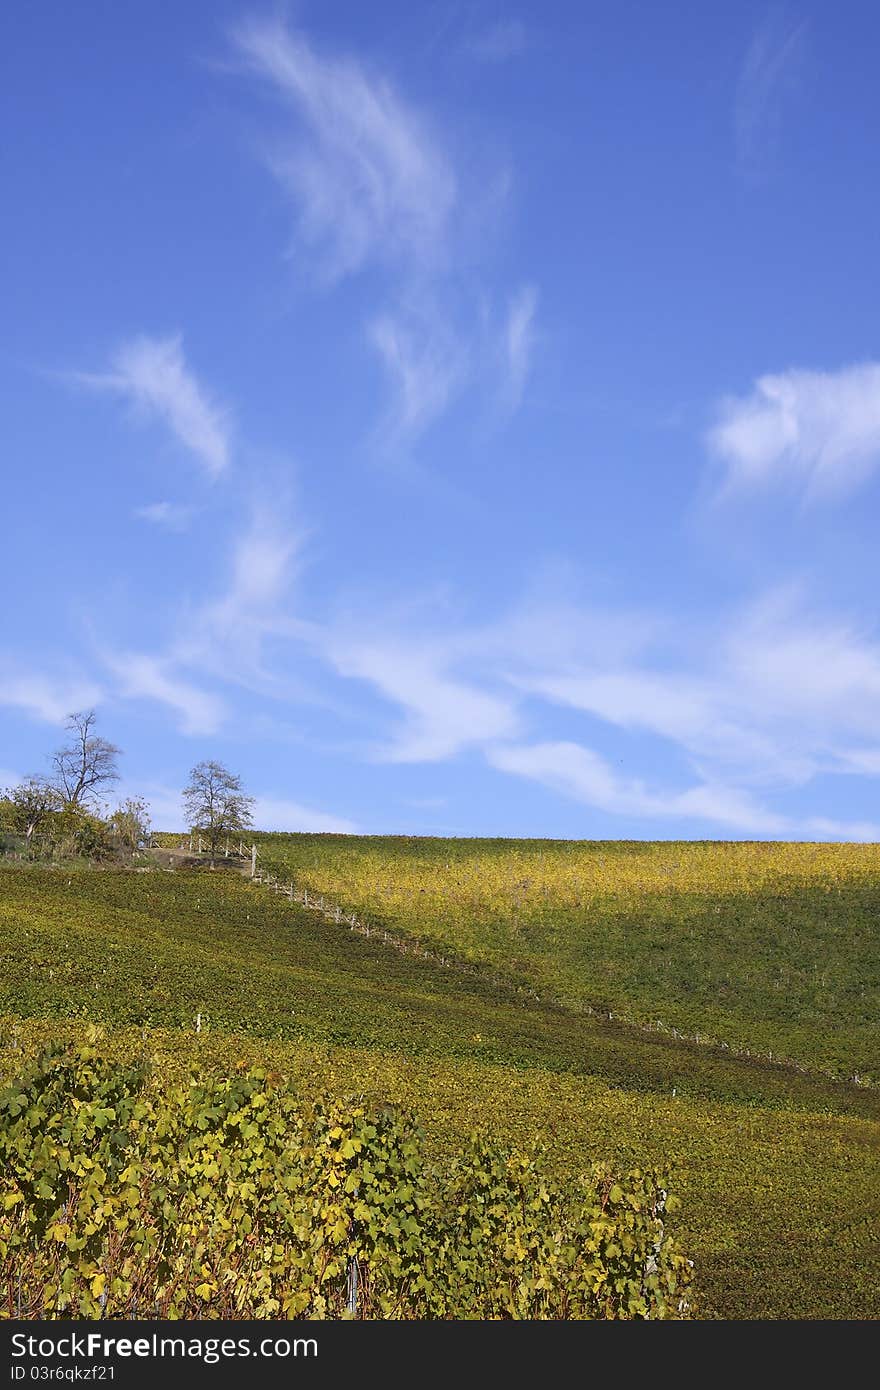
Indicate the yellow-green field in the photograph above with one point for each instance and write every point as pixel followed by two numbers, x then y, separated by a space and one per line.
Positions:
pixel 778 1168
pixel 770 948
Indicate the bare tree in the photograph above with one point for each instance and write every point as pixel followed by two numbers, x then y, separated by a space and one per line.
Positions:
pixel 215 803
pixel 32 801
pixel 85 767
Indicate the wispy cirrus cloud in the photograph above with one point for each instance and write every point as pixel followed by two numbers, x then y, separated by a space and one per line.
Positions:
pixel 813 678
pixel 580 772
pixel 769 75
pixel 426 363
pixel 47 698
pixel 820 430
pixel 767 701
pixel 764 701
pixel 152 375
pixel 776 694
pixel 226 634
pixel 140 676
pixel 432 357
pixel 293 816
pixel 518 343
pixel 443 712
pixel 262 567
pixel 374 185
pixel 221 637
pixel 370 181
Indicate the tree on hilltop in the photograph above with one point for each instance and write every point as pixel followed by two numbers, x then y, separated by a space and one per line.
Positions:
pixel 216 804
pixel 86 766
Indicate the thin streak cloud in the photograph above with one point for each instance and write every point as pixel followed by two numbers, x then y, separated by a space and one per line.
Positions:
pixel 371 183
pixel 769 75
pixel 519 342
pixel 152 375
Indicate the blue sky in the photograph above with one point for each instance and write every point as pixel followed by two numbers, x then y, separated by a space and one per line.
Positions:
pixel 457 419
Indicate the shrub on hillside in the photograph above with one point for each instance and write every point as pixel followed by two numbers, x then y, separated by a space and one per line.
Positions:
pixel 129 825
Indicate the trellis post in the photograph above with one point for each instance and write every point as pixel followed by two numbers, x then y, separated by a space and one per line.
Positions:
pixel 352 1298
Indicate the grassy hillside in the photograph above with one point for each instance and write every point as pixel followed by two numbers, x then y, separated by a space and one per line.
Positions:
pixel 778 1170
pixel 774 948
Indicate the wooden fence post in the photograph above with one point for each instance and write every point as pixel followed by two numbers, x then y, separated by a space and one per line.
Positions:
pixel 253 860
pixel 352 1291
pixel 651 1262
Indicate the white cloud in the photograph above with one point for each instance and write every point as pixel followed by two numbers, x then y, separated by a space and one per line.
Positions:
pixel 271 813
pixel 426 365
pixel 45 698
pixel 226 635
pixel 222 638
pixel 374 186
pixel 370 180
pixel 772 695
pixel 519 340
pixel 700 713
pixel 506 39
pixel 581 773
pixel 558 630
pixel 820 828
pixel 675 705
pixel 432 354
pixel 723 805
pixel 171 515
pixel 767 700
pixel 144 677
pixel 821 429
pixel 152 375
pixel 768 76
pixel 812 675
pixel 443 714
pixel 262 561
pixel 862 761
